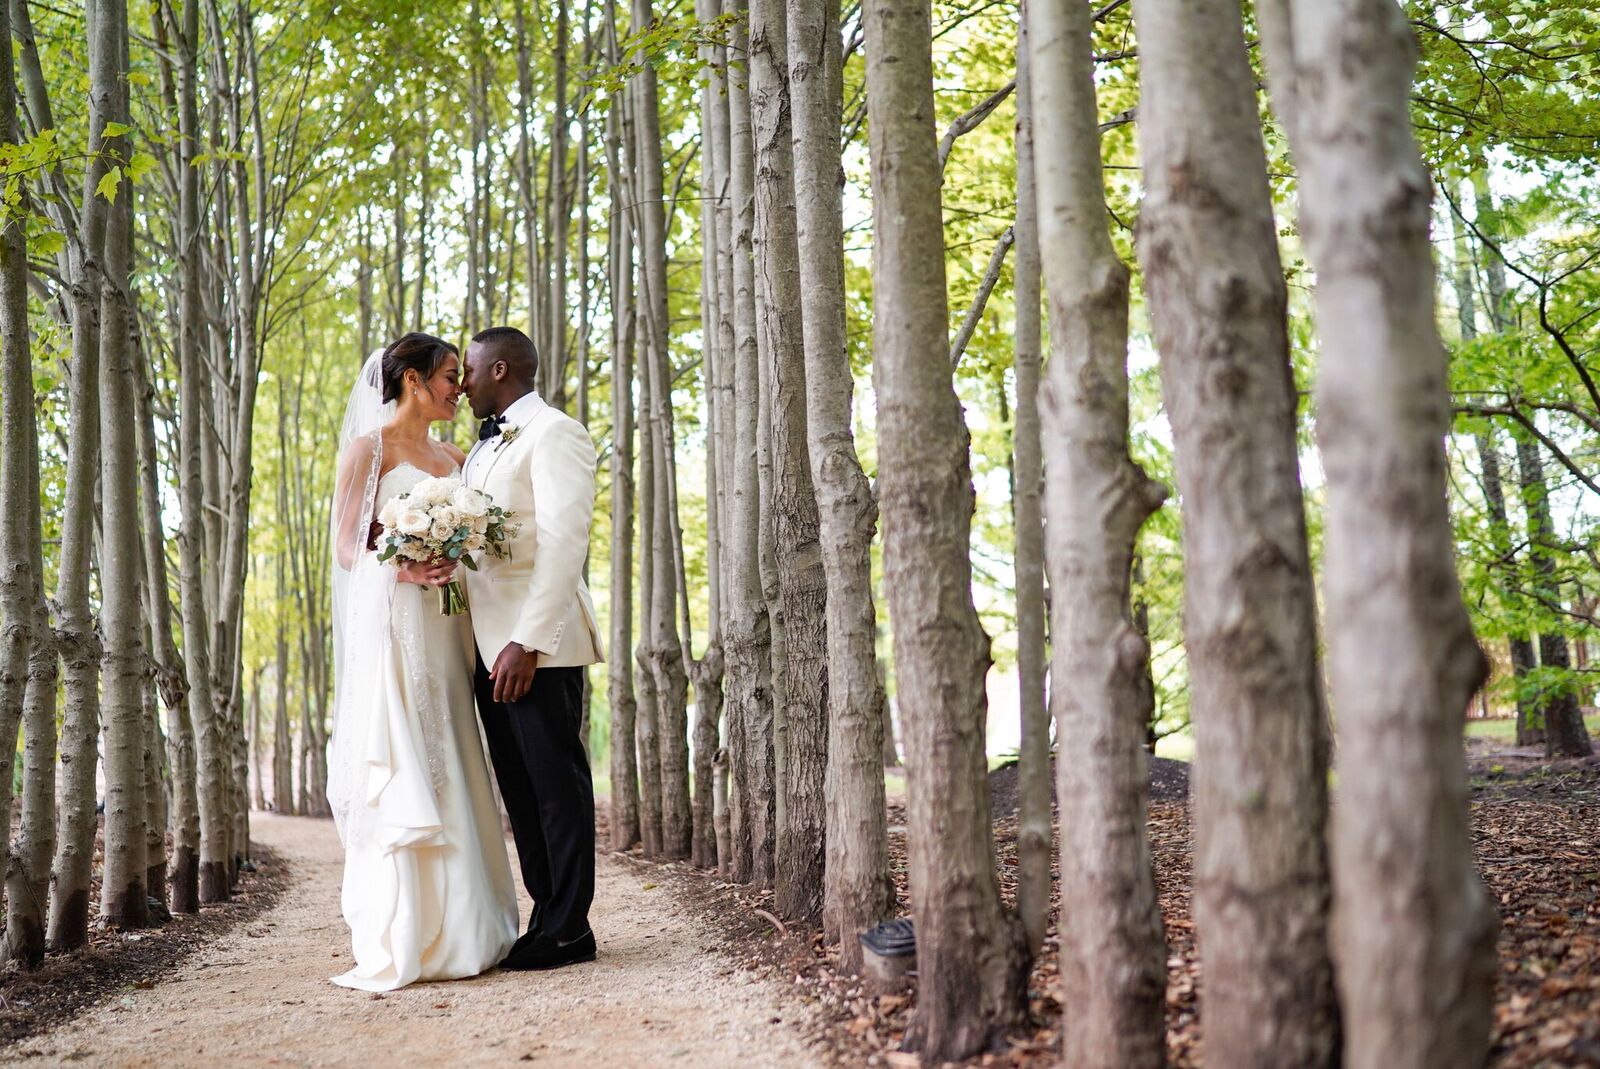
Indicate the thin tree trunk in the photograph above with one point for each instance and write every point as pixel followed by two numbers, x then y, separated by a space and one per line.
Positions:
pixel 1414 931
pixel 706 672
pixel 26 641
pixel 625 829
pixel 1564 731
pixel 123 901
pixel 194 540
pixel 647 726
pixel 258 791
pixel 77 638
pixel 802 584
pixel 665 649
pixel 731 814
pixel 1034 832
pixel 857 890
pixel 1208 243
pixel 1530 718
pixel 748 627
pixel 971 953
pixel 1113 967
pixel 555 354
pixel 1519 649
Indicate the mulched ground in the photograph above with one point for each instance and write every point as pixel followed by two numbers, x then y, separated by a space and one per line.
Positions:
pixel 1536 827
pixel 115 963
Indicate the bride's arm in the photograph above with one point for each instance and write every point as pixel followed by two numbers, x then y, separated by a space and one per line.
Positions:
pixel 350 500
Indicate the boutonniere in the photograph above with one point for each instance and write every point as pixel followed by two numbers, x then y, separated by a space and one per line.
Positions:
pixel 507 435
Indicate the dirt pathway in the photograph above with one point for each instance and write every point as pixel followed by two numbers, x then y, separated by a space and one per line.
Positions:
pixel 659 995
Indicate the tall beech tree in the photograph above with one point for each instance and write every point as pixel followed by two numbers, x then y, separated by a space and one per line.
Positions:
pixel 76 637
pixel 1113 968
pixel 26 641
pixel 1564 732
pixel 1034 834
pixel 1414 931
pixel 748 628
pixel 1208 243
pixel 857 892
pixel 123 899
pixel 971 957
pixel 797 556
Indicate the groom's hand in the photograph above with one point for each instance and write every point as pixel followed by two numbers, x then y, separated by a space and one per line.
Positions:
pixel 513 672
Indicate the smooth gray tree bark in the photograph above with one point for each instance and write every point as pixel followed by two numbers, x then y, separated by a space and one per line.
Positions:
pixel 1035 834
pixel 971 953
pixel 1219 305
pixel 1113 964
pixel 802 587
pixel 857 890
pixel 1414 930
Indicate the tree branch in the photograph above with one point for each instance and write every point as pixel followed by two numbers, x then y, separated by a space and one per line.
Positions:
pixel 996 260
pixel 972 120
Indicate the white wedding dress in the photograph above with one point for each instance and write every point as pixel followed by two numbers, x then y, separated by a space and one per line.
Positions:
pixel 427 889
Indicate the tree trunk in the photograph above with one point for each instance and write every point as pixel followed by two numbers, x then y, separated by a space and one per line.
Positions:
pixel 1208 243
pixel 730 814
pixel 1035 835
pixel 258 791
pixel 646 686
pixel 857 890
pixel 26 642
pixel 706 672
pixel 155 798
pixel 1113 966
pixel 174 754
pixel 194 540
pixel 748 628
pixel 1530 730
pixel 555 326
pixel 77 637
pixel 1414 931
pixel 123 901
pixel 802 586
pixel 1564 731
pixel 971 957
pixel 624 755
pixel 665 652
pixel 1530 718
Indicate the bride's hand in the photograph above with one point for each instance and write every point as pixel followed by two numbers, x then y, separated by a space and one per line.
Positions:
pixel 427 574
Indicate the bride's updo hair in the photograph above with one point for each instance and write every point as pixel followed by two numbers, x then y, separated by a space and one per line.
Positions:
pixel 422 353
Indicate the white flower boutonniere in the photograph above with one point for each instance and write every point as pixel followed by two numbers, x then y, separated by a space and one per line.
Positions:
pixel 507 435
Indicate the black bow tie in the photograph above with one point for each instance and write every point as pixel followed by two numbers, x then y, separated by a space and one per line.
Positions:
pixel 489 428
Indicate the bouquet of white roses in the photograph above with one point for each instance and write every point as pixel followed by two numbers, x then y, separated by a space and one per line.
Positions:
pixel 442 520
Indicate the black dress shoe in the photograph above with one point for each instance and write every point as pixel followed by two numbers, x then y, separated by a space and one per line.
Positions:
pixel 545 952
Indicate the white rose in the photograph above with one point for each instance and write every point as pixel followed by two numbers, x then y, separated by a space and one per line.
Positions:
pixel 470 502
pixel 479 524
pixel 475 542
pixel 441 530
pixel 451 515
pixel 389 513
pixel 434 491
pixel 413 521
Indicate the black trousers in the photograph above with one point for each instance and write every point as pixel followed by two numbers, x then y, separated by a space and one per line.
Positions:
pixel 544 779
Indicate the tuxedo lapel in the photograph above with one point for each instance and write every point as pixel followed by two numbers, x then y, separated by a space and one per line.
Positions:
pixel 502 444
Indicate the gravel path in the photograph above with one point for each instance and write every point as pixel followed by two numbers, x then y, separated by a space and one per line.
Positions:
pixel 659 994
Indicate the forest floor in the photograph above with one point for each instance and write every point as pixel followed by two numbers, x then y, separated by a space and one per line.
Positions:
pixel 1536 832
pixel 661 993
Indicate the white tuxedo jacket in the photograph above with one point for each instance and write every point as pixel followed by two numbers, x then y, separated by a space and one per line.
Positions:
pixel 542 467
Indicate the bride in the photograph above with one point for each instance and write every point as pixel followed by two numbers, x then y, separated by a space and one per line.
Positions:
pixel 427 884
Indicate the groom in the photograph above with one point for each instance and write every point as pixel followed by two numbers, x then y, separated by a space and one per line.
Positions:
pixel 535 630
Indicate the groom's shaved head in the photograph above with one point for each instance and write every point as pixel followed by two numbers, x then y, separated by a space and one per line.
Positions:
pixel 512 346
